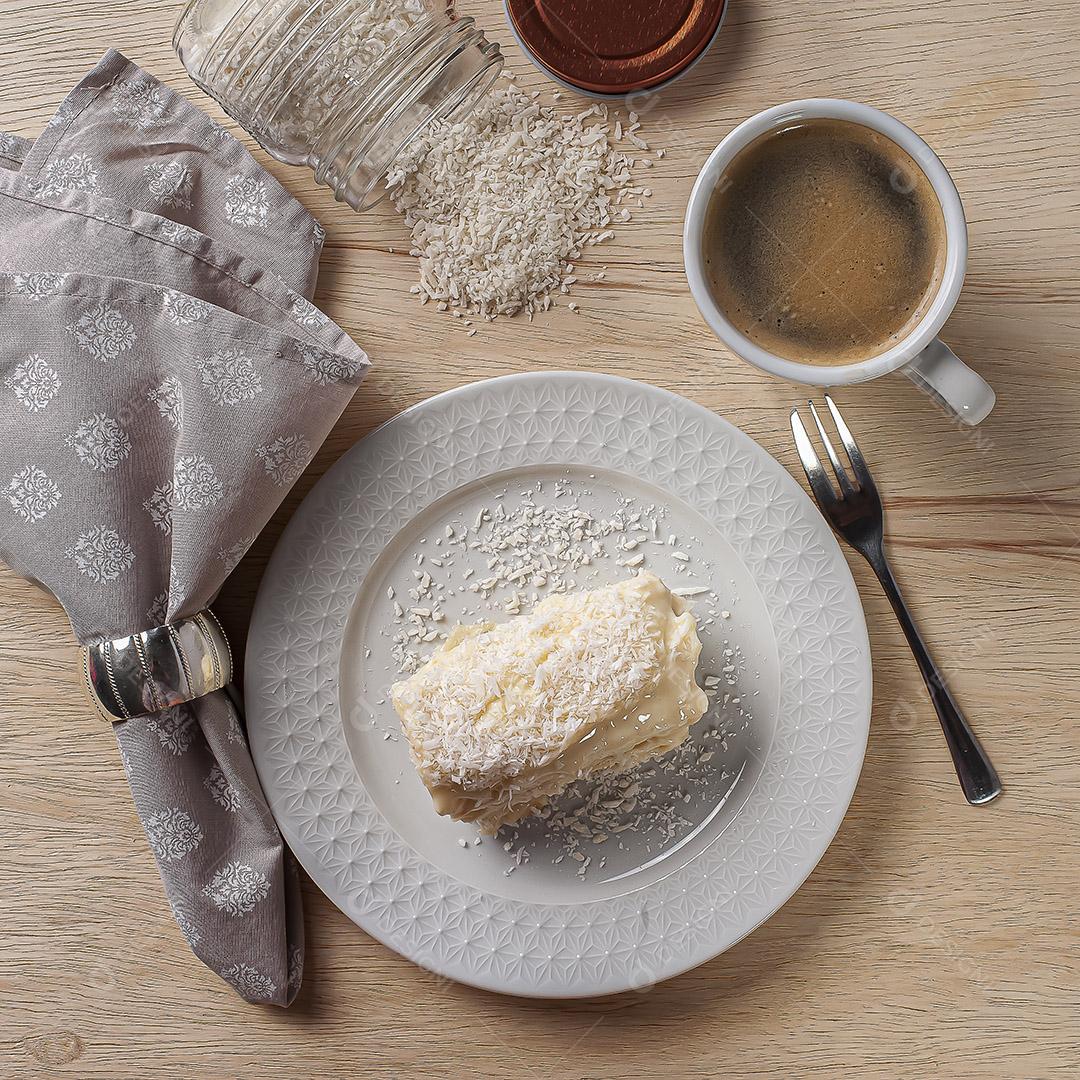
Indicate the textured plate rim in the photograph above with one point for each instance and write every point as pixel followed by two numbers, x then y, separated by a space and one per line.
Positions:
pixel 422 912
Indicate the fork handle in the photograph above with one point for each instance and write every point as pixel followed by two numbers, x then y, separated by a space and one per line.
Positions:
pixel 977 775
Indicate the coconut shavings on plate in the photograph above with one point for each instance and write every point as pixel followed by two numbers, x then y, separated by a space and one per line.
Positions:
pixel 545 539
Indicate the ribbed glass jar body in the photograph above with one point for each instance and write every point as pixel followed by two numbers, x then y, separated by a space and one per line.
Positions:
pixel 342 86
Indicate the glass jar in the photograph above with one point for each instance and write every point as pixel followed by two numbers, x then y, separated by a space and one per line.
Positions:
pixel 342 86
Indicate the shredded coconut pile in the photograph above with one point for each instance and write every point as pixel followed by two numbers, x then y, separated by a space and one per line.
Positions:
pixel 503 202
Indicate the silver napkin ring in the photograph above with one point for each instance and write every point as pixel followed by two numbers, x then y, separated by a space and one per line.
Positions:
pixel 168 665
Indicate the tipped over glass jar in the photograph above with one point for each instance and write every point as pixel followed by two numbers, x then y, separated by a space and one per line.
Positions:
pixel 342 86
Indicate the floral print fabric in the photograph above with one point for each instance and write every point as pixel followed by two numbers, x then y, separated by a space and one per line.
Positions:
pixel 123 135
pixel 159 394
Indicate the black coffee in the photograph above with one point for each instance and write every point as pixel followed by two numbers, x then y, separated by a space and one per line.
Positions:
pixel 825 242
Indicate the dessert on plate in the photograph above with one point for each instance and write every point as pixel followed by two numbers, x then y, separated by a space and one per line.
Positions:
pixel 504 717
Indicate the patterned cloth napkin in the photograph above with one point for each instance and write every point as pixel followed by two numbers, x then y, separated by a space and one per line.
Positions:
pixel 159 394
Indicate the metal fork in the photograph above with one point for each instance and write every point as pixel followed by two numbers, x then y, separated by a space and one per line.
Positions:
pixel 856 514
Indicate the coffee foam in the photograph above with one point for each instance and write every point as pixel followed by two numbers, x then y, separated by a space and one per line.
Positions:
pixel 824 242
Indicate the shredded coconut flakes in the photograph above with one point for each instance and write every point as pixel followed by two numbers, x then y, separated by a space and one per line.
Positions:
pixel 502 202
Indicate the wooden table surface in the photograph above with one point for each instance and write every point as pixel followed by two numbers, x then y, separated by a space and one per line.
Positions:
pixel 933 939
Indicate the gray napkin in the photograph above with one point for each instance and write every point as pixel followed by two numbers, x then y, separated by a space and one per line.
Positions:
pixel 159 394
pixel 123 135
pixel 13 150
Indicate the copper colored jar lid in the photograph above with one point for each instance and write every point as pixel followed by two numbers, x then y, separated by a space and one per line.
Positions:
pixel 615 46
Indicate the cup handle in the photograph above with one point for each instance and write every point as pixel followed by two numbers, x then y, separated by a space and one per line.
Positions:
pixel 939 372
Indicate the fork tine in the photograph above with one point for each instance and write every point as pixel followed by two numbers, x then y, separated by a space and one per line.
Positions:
pixel 819 480
pixel 858 463
pixel 841 473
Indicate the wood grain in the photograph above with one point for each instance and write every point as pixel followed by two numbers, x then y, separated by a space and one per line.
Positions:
pixel 933 939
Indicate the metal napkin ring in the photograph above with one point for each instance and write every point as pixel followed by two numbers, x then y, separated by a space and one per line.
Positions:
pixel 156 669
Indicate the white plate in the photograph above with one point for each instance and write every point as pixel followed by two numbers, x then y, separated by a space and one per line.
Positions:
pixel 752 821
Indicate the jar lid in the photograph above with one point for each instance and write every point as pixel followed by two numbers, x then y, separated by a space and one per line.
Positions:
pixel 615 46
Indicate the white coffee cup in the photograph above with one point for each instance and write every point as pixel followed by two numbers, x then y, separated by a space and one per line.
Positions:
pixel 921 355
